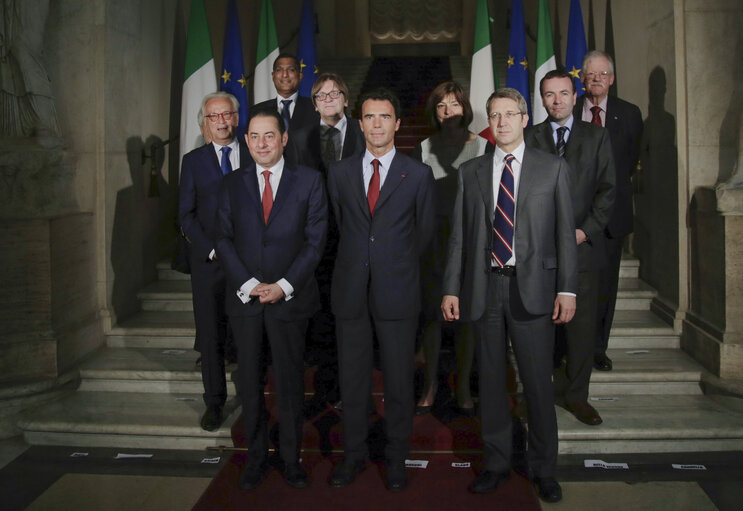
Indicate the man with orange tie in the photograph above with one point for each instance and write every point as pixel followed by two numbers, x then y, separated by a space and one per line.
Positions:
pixel 271 227
pixel 624 123
pixel 383 204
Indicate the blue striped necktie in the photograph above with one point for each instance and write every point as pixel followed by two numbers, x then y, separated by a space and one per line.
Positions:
pixel 502 249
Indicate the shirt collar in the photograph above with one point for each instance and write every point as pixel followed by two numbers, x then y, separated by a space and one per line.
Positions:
pixel 276 170
pixel 385 160
pixel 499 155
pixel 293 97
pixel 587 104
pixel 340 125
pixel 568 124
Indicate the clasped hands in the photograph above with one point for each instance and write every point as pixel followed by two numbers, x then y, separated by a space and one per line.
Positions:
pixel 267 293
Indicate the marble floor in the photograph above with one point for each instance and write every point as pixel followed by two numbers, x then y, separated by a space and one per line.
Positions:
pixel 39 478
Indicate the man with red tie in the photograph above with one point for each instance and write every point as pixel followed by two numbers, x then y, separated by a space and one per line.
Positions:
pixel 271 227
pixel 624 123
pixel 383 204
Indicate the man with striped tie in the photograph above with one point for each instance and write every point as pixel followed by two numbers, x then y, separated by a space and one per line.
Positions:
pixel 514 276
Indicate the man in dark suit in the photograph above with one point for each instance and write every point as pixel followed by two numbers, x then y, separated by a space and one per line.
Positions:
pixel 383 204
pixel 271 227
pixel 334 137
pixel 587 150
pixel 201 173
pixel 296 111
pixel 624 123
pixel 513 282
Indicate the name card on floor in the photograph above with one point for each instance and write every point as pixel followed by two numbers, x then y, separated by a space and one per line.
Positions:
pixel 416 463
pixel 465 464
pixel 173 352
pixel 123 456
pixel 78 454
pixel 604 399
pixel 603 464
pixel 688 467
pixel 637 352
pixel 211 460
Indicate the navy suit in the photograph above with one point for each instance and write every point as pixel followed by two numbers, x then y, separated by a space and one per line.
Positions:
pixel 304 116
pixel 201 176
pixel 307 142
pixel 289 246
pixel 377 279
pixel 624 124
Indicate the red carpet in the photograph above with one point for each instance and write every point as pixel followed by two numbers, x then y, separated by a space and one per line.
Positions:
pixel 442 438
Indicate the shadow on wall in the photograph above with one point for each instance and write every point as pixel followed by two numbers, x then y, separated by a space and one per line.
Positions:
pixel 731 129
pixel 656 194
pixel 142 228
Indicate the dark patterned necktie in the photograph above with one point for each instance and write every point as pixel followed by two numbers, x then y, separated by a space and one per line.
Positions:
pixel 286 113
pixel 330 152
pixel 504 215
pixel 596 119
pixel 561 141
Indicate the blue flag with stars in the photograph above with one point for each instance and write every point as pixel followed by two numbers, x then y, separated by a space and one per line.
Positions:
pixel 232 78
pixel 517 73
pixel 306 51
pixel 576 49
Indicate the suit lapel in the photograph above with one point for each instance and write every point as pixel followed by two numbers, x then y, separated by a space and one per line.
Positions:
pixel 349 143
pixel 288 179
pixel 395 176
pixel 546 141
pixel 575 140
pixel 484 175
pixel 251 184
pixel 355 175
pixel 526 180
pixel 212 161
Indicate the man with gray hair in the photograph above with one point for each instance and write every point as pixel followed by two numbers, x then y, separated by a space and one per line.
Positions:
pixel 624 123
pixel 201 174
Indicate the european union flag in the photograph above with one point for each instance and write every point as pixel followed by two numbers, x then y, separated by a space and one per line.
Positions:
pixel 576 49
pixel 306 51
pixel 517 73
pixel 233 78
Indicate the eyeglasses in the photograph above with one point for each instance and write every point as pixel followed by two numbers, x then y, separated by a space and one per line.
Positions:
pixel 333 94
pixel 508 115
pixel 224 115
pixel 604 75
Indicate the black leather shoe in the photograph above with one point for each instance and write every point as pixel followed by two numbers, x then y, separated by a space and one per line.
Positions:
pixel 602 362
pixel 212 418
pixel 396 480
pixel 585 413
pixel 253 474
pixel 422 410
pixel 548 489
pixel 488 481
pixel 345 473
pixel 294 475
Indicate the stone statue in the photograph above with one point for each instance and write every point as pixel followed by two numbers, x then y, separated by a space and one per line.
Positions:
pixel 25 89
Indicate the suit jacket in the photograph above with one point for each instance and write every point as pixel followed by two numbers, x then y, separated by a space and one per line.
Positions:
pixel 201 176
pixel 379 257
pixel 309 147
pixel 624 123
pixel 544 238
pixel 592 180
pixel 289 246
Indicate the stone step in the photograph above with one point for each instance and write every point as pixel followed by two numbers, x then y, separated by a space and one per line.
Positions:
pixel 632 424
pixel 175 295
pixel 632 329
pixel 165 272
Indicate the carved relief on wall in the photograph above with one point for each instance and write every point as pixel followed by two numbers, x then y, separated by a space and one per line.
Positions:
pixel 415 21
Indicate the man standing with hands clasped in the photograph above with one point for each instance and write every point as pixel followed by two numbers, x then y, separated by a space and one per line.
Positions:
pixel 511 269
pixel 271 228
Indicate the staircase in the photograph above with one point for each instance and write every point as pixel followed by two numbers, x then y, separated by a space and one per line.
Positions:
pixel 143 390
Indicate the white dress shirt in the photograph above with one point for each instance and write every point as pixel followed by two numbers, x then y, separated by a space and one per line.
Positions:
pixel 292 105
pixel 587 115
pixel 384 167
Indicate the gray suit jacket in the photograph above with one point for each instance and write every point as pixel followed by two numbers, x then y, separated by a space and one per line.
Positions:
pixel 544 238
pixel 592 180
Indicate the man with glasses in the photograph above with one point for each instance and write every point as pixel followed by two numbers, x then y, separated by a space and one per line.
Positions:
pixel 587 150
pixel 511 268
pixel 334 137
pixel 296 111
pixel 624 123
pixel 201 174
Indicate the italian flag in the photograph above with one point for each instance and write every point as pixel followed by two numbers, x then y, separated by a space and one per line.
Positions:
pixel 266 53
pixel 199 78
pixel 482 77
pixel 545 60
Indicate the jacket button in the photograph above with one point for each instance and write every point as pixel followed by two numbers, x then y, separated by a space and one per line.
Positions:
pixel 371 239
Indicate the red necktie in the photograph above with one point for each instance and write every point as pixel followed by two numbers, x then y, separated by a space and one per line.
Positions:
pixel 373 193
pixel 267 196
pixel 596 110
